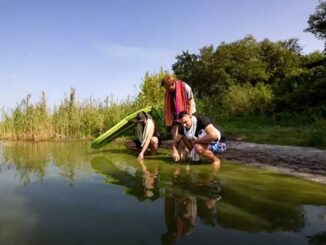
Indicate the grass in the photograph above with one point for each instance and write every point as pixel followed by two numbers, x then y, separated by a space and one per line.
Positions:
pixel 74 120
pixel 265 130
pixel 71 120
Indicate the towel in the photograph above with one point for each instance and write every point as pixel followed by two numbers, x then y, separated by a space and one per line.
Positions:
pixel 143 132
pixel 190 134
pixel 172 109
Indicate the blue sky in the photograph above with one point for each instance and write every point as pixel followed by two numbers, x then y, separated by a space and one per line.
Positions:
pixel 104 48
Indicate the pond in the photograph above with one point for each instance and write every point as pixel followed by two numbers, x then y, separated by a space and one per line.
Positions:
pixel 67 193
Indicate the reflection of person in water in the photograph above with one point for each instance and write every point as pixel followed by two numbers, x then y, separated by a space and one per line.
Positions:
pixel 150 180
pixel 180 214
pixel 207 207
pixel 189 194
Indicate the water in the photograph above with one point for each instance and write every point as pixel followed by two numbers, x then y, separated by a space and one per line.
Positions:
pixel 66 193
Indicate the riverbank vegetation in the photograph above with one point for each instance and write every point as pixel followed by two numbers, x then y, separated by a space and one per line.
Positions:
pixel 261 91
pixel 256 91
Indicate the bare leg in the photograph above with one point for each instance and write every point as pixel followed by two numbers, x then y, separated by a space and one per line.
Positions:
pixel 185 148
pixel 187 143
pixel 154 145
pixel 174 131
pixel 203 151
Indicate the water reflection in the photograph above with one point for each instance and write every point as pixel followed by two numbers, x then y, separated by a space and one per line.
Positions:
pixel 192 193
pixel 186 192
pixel 30 160
pixel 317 239
pixel 150 181
pixel 236 198
pixel 189 195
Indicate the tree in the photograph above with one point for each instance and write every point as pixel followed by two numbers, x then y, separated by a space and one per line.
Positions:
pixel 151 91
pixel 212 72
pixel 184 68
pixel 317 22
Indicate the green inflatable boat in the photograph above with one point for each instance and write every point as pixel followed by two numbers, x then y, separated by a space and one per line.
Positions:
pixel 120 128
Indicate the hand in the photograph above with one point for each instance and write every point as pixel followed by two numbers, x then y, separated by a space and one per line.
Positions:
pixel 141 156
pixel 176 156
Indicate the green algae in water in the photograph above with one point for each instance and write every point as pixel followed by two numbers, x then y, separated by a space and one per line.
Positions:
pixel 160 200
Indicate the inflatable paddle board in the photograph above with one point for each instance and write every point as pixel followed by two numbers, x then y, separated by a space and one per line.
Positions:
pixel 118 129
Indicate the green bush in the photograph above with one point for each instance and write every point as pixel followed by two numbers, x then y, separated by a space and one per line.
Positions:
pixel 247 99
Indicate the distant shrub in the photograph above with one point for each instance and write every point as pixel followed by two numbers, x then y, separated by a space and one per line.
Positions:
pixel 247 99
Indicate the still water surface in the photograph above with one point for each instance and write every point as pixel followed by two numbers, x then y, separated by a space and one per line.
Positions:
pixel 66 193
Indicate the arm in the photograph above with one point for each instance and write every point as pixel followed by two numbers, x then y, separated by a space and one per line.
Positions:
pixel 148 140
pixel 191 100
pixel 176 141
pixel 191 109
pixel 209 137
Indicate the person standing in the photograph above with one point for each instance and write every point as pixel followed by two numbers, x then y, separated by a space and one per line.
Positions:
pixel 178 97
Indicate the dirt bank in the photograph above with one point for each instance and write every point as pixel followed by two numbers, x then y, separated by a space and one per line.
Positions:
pixel 300 161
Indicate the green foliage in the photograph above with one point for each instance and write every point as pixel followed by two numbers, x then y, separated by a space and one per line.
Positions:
pixel 152 93
pixel 71 120
pixel 281 129
pixel 272 80
pixel 27 120
pixel 246 77
pixel 210 73
pixel 247 99
pixel 317 22
pixel 282 59
pixel 304 93
pixel 311 59
pixel 67 119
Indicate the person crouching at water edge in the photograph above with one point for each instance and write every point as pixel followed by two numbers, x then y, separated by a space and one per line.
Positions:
pixel 200 136
pixel 147 134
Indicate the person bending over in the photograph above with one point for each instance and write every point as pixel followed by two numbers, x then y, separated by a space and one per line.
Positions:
pixel 147 134
pixel 200 136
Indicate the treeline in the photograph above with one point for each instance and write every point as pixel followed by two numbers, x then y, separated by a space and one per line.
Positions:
pixel 260 91
pixel 249 77
pixel 246 78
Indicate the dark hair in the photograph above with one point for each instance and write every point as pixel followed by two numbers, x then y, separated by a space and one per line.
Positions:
pixel 143 116
pixel 182 114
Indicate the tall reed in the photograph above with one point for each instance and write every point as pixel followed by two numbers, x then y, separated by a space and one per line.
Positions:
pixel 70 120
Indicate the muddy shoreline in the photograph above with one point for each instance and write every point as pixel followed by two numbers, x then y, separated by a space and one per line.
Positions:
pixel 306 162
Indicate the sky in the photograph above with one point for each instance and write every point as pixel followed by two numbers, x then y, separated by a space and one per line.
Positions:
pixel 104 47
